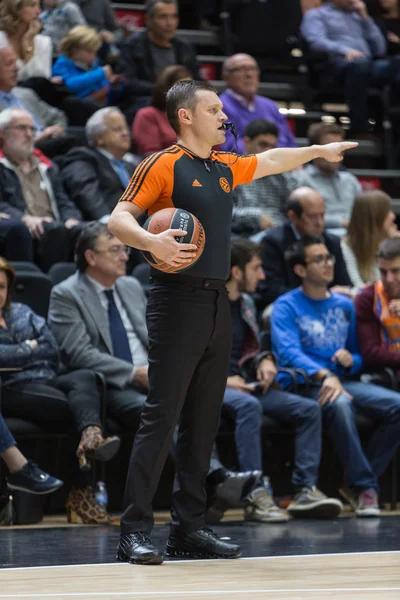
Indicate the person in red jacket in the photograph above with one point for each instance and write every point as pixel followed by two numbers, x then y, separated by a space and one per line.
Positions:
pixel 378 311
pixel 151 129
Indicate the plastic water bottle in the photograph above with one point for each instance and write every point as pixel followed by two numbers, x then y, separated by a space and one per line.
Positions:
pixel 101 496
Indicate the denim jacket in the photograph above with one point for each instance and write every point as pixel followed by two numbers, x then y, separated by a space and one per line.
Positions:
pixel 38 364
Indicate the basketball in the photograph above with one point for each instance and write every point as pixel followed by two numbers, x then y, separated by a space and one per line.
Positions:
pixel 175 218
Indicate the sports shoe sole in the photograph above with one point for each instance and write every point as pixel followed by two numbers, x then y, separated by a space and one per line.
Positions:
pixel 175 553
pixel 368 513
pixel 280 519
pixel 323 509
pixel 153 560
pixel 19 488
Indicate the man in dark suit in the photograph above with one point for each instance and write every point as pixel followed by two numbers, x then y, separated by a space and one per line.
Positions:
pixel 306 214
pixel 96 177
pixel 145 54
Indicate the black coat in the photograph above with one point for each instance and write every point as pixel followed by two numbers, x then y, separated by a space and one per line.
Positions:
pixel 136 61
pixel 279 278
pixel 12 199
pixel 91 181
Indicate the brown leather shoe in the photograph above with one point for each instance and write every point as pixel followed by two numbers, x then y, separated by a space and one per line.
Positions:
pixel 93 446
pixel 82 508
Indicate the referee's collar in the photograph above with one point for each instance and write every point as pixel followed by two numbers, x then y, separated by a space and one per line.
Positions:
pixel 192 154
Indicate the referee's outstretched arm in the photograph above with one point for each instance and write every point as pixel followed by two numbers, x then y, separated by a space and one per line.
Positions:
pixel 286 159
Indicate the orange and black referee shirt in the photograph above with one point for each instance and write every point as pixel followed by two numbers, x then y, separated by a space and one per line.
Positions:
pixel 178 178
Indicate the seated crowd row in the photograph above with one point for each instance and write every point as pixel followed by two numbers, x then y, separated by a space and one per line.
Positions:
pixel 96 323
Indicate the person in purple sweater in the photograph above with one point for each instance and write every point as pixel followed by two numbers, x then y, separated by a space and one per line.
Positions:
pixel 242 104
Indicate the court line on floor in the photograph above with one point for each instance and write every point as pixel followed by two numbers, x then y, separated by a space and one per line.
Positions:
pixel 175 562
pixel 201 592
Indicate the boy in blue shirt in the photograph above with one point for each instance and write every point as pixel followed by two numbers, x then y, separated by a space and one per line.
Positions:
pixel 315 330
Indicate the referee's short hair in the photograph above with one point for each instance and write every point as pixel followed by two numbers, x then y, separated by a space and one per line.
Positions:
pixel 183 94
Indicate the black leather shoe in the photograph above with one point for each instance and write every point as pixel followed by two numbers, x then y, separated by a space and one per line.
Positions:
pixel 236 487
pixel 203 543
pixel 137 548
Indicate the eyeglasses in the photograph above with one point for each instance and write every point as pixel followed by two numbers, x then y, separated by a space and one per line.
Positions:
pixel 115 250
pixel 323 259
pixel 244 70
pixel 23 128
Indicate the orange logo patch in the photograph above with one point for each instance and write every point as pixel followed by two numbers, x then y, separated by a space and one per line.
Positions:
pixel 224 183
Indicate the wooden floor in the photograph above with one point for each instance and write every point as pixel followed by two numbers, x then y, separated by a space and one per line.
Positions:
pixel 361 576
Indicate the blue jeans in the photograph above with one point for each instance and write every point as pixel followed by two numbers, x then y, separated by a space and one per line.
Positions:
pixel 361 469
pixel 357 76
pixel 6 439
pixel 303 414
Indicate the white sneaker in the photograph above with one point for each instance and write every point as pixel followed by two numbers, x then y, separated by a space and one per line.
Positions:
pixel 261 507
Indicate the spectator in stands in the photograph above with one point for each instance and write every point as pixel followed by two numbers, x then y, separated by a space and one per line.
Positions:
pixel 35 390
pixel 98 318
pixel 372 220
pixel 306 214
pixel 242 104
pixel 247 400
pixel 78 68
pixel 261 204
pixel 315 330
pixel 58 17
pixel 19 29
pixel 151 129
pixel 336 185
pixel 100 15
pixel 15 239
pixel 355 49
pixel 50 122
pixel 23 475
pixel 145 54
pixel 378 311
pixel 31 191
pixel 389 24
pixel 96 177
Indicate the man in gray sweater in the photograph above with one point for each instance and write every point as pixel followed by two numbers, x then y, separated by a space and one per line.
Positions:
pixel 336 185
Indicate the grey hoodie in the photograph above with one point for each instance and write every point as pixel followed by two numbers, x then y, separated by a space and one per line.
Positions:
pixel 59 20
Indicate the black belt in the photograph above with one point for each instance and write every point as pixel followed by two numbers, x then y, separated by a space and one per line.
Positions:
pixel 188 281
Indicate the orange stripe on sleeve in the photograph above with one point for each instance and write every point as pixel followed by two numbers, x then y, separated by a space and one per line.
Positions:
pixel 153 181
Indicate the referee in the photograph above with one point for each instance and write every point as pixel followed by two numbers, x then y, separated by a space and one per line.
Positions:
pixel 188 316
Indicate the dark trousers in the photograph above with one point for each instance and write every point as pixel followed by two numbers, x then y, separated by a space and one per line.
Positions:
pixel 56 244
pixel 47 403
pixel 189 325
pixel 6 439
pixel 15 241
pixel 357 76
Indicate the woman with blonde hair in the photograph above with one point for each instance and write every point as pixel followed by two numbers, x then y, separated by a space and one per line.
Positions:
pixel 372 220
pixel 78 69
pixel 19 30
pixel 151 129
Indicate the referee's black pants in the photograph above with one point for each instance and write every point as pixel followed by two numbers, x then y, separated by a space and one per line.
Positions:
pixel 189 326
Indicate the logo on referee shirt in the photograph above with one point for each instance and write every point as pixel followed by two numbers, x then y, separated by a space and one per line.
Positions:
pixel 224 183
pixel 196 183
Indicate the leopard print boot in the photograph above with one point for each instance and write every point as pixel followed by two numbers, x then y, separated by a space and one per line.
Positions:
pixel 82 508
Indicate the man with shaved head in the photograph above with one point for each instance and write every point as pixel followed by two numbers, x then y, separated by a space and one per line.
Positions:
pixel 306 215
pixel 242 104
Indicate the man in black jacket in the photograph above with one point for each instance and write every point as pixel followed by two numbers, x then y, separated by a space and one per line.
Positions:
pixel 31 191
pixel 144 55
pixel 96 177
pixel 306 214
